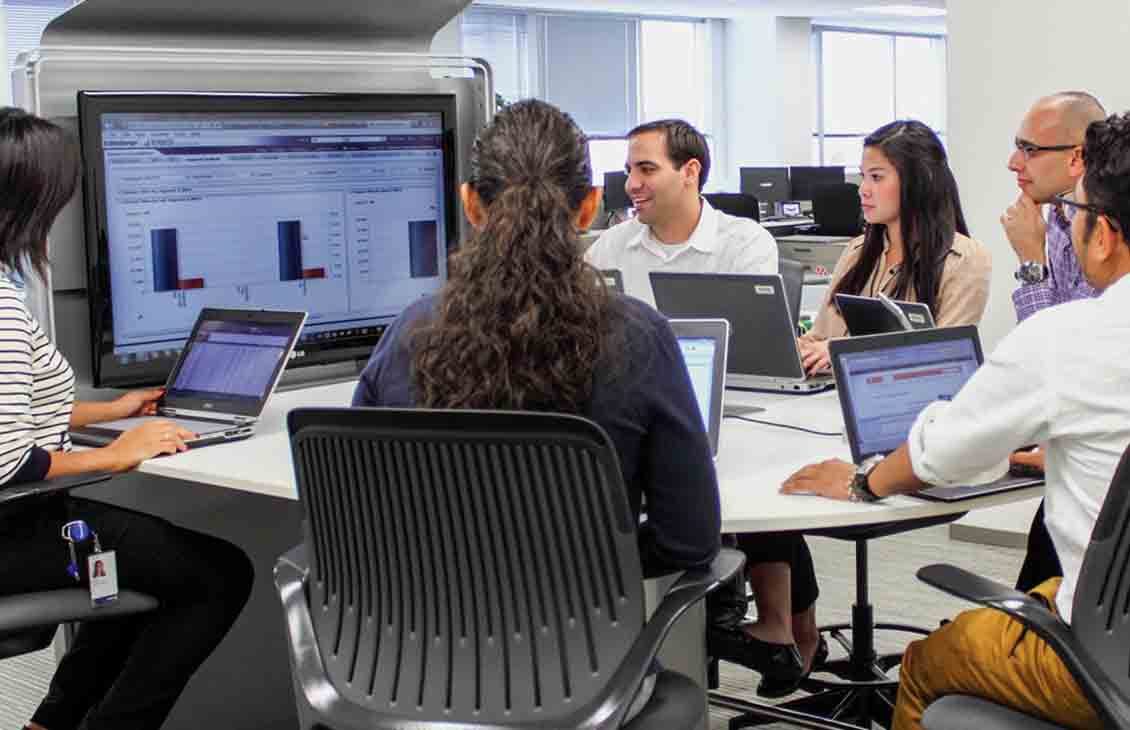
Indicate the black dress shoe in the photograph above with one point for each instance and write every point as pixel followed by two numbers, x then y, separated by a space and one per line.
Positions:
pixel 773 688
pixel 781 661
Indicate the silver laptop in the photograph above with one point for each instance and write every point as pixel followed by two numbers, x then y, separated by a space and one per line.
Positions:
pixel 704 344
pixel 879 315
pixel 763 350
pixel 226 372
pixel 884 382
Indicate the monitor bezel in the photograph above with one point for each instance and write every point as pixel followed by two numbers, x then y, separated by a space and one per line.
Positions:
pixel 839 347
pixel 92 104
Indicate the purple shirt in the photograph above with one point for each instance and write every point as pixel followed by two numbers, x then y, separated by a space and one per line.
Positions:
pixel 1065 280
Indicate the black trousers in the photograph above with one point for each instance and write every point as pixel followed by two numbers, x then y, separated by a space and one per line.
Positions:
pixel 727 605
pixel 1041 561
pixel 126 672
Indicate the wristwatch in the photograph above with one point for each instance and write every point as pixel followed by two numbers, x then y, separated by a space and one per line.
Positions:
pixel 1031 272
pixel 860 490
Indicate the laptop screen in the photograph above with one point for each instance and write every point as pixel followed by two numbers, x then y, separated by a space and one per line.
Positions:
pixel 698 354
pixel 232 360
pixel 703 344
pixel 884 388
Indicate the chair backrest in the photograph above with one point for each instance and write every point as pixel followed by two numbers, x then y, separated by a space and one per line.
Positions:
pixel 735 204
pixel 467 566
pixel 1100 614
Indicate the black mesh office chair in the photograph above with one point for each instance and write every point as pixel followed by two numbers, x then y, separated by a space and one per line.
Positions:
pixel 1095 647
pixel 28 620
pixel 473 568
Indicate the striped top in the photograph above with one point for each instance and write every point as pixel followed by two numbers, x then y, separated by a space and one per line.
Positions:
pixel 37 391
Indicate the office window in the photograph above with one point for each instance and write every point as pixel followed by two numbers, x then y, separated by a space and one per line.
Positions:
pixel 24 21
pixel 869 79
pixel 589 68
pixel 611 72
pixel 500 37
pixel 608 155
pixel 673 70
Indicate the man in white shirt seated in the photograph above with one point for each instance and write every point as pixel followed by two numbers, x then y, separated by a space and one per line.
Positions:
pixel 675 229
pixel 1059 379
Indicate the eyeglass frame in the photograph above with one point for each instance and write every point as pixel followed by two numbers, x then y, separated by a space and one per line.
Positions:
pixel 1027 149
pixel 1092 209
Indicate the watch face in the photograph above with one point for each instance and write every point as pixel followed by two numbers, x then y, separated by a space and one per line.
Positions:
pixel 1032 272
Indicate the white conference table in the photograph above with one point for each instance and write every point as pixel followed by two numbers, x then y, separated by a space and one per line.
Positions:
pixel 753 461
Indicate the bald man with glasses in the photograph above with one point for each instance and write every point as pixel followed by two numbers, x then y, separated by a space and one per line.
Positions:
pixel 1047 161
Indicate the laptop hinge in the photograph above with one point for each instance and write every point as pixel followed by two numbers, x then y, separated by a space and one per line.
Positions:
pixel 208 415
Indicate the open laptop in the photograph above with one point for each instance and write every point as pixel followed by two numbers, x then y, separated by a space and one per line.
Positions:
pixel 884 382
pixel 763 351
pixel 226 372
pixel 704 344
pixel 873 316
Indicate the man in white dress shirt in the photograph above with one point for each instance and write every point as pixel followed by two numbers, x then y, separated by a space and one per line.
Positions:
pixel 675 229
pixel 1059 379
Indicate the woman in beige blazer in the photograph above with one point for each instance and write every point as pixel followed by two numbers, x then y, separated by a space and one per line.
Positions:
pixel 917 246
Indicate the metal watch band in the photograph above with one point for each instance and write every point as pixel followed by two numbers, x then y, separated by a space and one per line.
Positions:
pixel 860 488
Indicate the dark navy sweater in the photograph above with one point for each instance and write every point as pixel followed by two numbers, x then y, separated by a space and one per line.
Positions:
pixel 646 405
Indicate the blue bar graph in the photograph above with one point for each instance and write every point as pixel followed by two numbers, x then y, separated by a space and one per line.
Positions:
pixel 423 250
pixel 290 250
pixel 166 263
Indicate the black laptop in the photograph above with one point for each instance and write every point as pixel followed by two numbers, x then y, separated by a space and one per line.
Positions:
pixel 885 381
pixel 874 316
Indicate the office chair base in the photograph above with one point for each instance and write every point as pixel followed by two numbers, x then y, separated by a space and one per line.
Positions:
pixel 858 694
pixel 862 692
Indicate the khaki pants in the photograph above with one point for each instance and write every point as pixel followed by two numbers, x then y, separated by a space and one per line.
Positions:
pixel 985 653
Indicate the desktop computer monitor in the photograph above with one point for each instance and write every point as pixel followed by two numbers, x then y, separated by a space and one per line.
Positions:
pixel 803 180
pixel 738 205
pixel 339 205
pixel 770 185
pixel 615 196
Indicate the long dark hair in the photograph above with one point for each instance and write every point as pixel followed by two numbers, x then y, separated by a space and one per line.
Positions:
pixel 39 171
pixel 929 213
pixel 521 322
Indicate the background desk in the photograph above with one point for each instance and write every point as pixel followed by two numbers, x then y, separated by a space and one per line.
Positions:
pixel 244 492
pixel 819 254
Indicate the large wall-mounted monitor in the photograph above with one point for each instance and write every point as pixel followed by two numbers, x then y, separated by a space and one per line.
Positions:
pixel 340 205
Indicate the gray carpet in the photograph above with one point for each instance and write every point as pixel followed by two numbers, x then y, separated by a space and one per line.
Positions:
pixel 898 597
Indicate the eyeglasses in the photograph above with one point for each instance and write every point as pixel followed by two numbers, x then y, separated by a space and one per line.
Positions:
pixel 1027 149
pixel 1093 209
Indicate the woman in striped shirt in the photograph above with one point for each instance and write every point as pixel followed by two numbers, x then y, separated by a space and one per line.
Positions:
pixel 126 672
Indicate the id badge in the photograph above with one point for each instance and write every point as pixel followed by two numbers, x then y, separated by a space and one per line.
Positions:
pixel 102 568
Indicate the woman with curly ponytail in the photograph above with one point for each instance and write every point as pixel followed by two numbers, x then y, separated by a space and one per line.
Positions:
pixel 523 323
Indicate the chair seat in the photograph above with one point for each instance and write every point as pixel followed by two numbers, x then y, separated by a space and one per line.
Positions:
pixel 962 712
pixel 676 704
pixel 50 608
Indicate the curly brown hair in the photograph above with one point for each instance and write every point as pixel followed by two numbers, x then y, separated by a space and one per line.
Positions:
pixel 521 322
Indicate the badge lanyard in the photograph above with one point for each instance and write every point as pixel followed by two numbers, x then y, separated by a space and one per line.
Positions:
pixel 101 566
